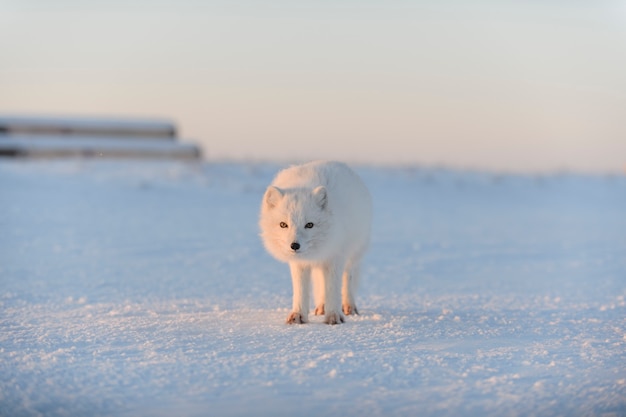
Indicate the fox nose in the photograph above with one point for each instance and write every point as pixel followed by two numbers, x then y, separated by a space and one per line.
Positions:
pixel 295 246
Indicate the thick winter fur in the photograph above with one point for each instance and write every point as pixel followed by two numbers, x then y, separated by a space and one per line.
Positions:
pixel 317 217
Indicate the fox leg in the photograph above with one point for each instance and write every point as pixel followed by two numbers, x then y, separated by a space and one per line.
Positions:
pixel 332 292
pixel 349 285
pixel 318 290
pixel 301 280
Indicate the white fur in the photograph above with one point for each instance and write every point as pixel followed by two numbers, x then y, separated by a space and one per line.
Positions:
pixel 326 209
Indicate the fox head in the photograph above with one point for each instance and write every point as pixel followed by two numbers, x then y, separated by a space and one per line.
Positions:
pixel 295 222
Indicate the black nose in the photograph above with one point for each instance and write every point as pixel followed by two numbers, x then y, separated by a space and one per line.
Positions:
pixel 295 246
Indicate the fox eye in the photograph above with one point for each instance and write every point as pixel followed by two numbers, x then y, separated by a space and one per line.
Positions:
pixel 308 226
pixel 283 225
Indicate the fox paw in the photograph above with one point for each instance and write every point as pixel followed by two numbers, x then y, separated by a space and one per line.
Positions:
pixel 350 309
pixel 333 318
pixel 296 318
pixel 319 310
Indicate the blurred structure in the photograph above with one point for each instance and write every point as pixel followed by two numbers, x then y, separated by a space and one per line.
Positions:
pixel 72 137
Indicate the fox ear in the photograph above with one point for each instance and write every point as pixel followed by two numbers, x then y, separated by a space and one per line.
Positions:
pixel 272 196
pixel 321 197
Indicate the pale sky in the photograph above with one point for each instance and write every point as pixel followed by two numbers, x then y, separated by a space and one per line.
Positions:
pixel 524 85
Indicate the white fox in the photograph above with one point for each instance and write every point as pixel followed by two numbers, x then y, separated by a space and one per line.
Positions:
pixel 317 217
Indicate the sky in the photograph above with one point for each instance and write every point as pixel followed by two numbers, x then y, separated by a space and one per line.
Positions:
pixel 521 86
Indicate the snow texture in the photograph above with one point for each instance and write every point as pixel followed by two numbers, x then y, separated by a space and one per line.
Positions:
pixel 142 289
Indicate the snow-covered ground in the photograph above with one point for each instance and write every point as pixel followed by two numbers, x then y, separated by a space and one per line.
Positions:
pixel 142 289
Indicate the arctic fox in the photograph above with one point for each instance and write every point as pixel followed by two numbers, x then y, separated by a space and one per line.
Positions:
pixel 317 217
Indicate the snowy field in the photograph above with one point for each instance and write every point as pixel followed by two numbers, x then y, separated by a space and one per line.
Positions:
pixel 142 289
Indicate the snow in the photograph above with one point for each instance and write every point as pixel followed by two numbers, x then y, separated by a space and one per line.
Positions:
pixel 142 289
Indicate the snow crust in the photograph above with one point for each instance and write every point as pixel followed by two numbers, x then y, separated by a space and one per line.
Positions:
pixel 142 289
